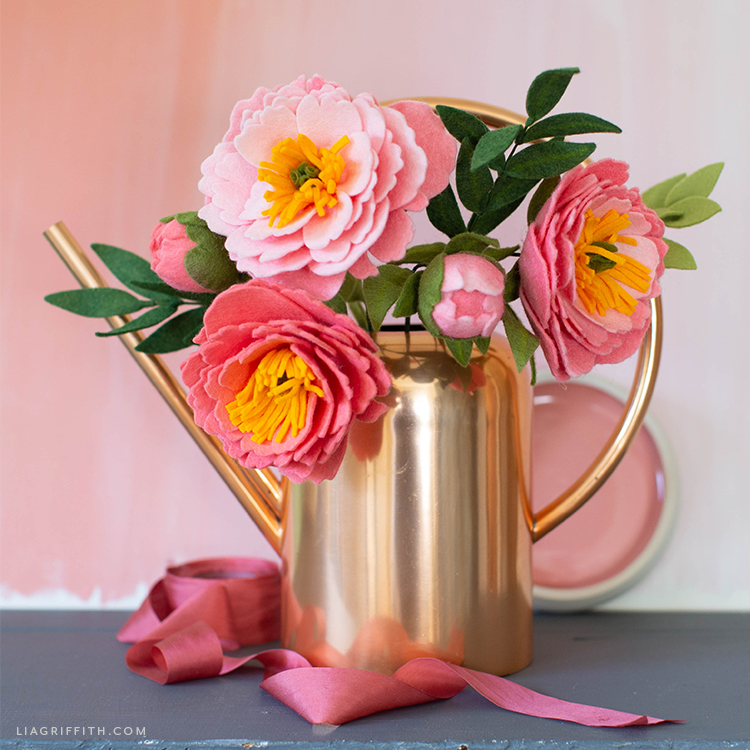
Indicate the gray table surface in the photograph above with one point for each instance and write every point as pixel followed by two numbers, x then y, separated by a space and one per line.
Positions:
pixel 65 669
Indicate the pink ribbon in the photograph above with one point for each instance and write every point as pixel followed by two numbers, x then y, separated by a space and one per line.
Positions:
pixel 200 609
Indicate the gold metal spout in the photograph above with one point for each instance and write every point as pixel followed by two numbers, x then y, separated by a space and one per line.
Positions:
pixel 259 491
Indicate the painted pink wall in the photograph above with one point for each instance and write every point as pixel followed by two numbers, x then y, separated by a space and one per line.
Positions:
pixel 108 111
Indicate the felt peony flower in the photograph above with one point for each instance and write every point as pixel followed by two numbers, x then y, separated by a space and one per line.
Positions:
pixel 309 183
pixel 589 266
pixel 280 378
pixel 169 246
pixel 471 302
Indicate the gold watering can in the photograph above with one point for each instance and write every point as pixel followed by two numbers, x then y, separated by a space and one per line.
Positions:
pixel 421 545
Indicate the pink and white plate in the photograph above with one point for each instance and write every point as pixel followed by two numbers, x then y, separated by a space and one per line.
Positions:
pixel 615 539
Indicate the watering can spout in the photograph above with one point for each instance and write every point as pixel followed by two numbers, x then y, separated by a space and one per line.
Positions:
pixel 259 491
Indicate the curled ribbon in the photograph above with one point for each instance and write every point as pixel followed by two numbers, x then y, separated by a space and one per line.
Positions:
pixel 200 609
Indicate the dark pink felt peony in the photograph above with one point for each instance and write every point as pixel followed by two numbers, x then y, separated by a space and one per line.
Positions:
pixel 169 245
pixel 589 266
pixel 280 378
pixel 308 182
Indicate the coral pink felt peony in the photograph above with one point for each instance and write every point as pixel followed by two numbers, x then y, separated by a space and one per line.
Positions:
pixel 169 246
pixel 309 182
pixel 588 304
pixel 471 302
pixel 280 378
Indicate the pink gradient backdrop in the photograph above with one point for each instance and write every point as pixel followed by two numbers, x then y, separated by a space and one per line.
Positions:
pixel 108 111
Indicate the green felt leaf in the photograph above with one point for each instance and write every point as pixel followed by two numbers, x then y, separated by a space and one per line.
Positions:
pixel 357 309
pixel 492 146
pixel 570 123
pixel 472 185
pixel 498 164
pixel 691 211
pixel 177 333
pixel 512 284
pixel 351 289
pixel 461 124
pixel 541 195
pixel 209 264
pixel 546 90
pixel 532 362
pixel 548 159
pixel 161 288
pixel 665 213
pixel 470 242
pixel 150 318
pixel 699 183
pixel 184 217
pixel 522 342
pixel 444 213
pixel 483 343
pixel 461 350
pixel 421 253
pixel 337 304
pixel 500 253
pixel 382 291
pixel 484 223
pixel 406 304
pixel 155 289
pixel 100 302
pixel 656 196
pixel 429 293
pixel 678 256
pixel 507 190
pixel 128 268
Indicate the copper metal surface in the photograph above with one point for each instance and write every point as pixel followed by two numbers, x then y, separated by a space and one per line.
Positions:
pixel 420 546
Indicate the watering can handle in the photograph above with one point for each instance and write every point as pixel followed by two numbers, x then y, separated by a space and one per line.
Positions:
pixel 614 450
pixel 259 492
pixel 624 433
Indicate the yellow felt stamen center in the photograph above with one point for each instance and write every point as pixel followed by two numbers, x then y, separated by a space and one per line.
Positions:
pixel 301 176
pixel 601 291
pixel 275 398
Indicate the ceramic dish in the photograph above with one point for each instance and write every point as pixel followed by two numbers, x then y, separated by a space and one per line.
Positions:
pixel 612 542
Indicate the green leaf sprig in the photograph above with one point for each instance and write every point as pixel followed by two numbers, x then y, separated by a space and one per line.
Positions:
pixel 682 201
pixel 543 155
pixel 161 303
pixel 523 157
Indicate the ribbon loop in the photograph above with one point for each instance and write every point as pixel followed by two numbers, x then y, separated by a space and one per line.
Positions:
pixel 198 607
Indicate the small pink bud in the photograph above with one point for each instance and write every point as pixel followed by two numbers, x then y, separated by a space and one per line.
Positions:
pixel 472 301
pixel 169 245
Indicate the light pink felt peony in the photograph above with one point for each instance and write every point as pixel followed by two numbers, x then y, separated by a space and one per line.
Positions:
pixel 471 302
pixel 582 317
pixel 286 222
pixel 280 378
pixel 169 245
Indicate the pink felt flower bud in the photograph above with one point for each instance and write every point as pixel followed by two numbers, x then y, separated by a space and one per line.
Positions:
pixel 471 302
pixel 169 246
